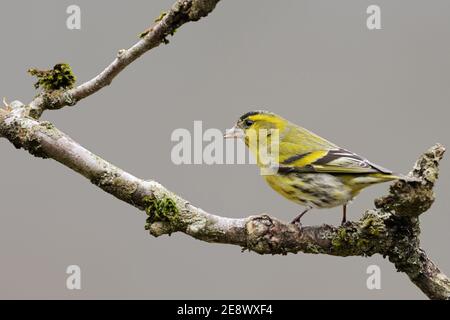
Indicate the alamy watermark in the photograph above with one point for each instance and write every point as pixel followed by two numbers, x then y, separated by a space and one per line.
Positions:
pixel 211 147
pixel 373 281
pixel 73 21
pixel 373 21
pixel 73 281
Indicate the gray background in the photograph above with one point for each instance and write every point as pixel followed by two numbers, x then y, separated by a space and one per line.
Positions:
pixel 384 94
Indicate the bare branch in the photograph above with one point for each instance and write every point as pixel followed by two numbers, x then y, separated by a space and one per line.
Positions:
pixel 390 230
pixel 181 12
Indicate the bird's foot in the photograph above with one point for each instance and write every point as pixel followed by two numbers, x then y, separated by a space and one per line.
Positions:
pixel 297 223
pixel 297 219
pixel 346 223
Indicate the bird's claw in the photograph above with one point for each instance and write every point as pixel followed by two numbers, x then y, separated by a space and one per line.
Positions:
pixel 298 224
pixel 345 223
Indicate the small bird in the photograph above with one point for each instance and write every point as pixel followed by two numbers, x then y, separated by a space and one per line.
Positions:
pixel 309 170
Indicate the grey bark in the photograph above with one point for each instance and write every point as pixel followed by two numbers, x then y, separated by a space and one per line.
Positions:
pixel 391 229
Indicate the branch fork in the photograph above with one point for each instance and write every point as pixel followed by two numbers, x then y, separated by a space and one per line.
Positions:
pixel 391 229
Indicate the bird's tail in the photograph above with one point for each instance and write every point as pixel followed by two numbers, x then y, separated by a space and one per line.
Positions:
pixel 375 178
pixel 406 178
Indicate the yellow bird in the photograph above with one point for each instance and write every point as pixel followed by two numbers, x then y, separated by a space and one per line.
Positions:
pixel 307 169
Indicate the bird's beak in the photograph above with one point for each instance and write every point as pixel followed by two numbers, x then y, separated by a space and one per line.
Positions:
pixel 234 132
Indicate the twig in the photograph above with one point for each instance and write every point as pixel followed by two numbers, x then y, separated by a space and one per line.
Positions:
pixel 181 12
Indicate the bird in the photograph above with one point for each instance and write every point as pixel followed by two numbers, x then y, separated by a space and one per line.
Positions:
pixel 306 169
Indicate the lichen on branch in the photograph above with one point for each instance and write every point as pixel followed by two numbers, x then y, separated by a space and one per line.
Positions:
pixel 160 210
pixel 391 229
pixel 61 77
pixel 386 230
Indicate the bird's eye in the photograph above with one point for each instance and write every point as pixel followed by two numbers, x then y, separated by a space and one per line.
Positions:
pixel 248 122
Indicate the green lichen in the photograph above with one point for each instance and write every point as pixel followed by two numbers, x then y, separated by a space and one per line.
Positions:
pixel 160 17
pixel 373 224
pixel 59 78
pixel 404 250
pixel 341 239
pixel 348 241
pixel 146 32
pixel 361 238
pixel 172 29
pixel 32 141
pixel 392 236
pixel 160 210
pixel 47 125
pixel 313 248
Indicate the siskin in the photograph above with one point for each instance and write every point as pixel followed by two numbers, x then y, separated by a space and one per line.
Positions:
pixel 309 170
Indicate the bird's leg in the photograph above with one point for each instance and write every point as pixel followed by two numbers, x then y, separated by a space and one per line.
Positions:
pixel 344 214
pixel 297 219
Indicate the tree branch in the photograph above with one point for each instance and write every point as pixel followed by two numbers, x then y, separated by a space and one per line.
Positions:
pixel 182 11
pixel 391 229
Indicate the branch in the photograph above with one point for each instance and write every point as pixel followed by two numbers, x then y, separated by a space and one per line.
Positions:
pixel 391 229
pixel 182 11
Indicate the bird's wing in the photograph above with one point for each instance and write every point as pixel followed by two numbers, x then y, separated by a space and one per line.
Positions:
pixel 331 161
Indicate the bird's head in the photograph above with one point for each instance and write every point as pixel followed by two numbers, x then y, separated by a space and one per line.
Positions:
pixel 256 124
